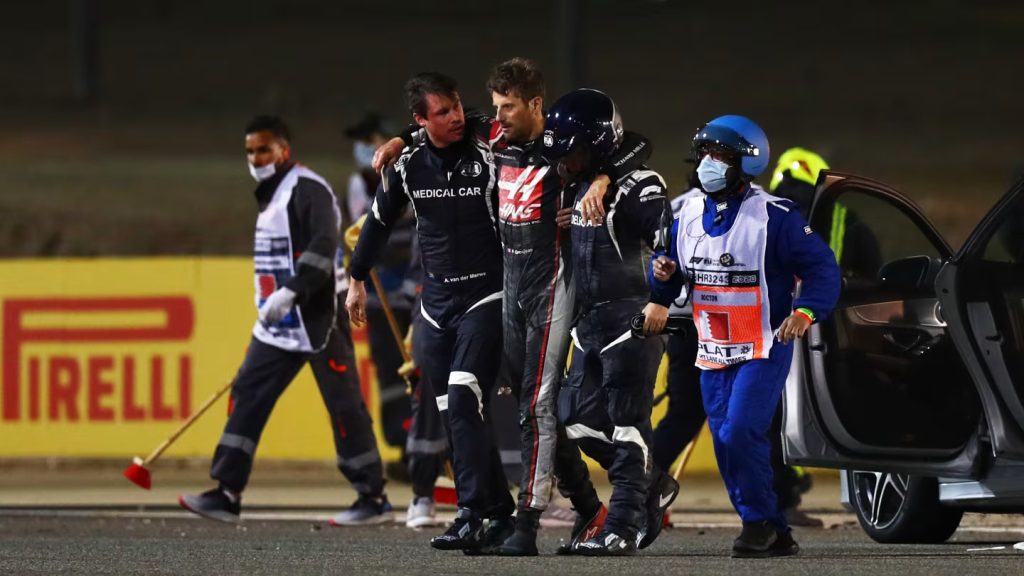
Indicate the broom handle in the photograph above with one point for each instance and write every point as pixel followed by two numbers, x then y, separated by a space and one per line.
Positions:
pixel 390 315
pixel 687 452
pixel 185 425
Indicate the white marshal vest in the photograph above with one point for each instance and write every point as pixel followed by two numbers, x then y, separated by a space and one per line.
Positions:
pixel 726 278
pixel 274 264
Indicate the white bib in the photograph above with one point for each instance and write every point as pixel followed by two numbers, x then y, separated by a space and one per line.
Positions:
pixel 726 278
pixel 274 261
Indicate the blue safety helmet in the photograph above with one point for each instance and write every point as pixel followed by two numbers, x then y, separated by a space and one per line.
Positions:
pixel 582 117
pixel 737 134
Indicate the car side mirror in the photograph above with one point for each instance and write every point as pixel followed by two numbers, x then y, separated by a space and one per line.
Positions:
pixel 911 274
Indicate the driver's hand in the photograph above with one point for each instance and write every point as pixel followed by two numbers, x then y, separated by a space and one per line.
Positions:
pixel 592 203
pixel 387 154
pixel 655 317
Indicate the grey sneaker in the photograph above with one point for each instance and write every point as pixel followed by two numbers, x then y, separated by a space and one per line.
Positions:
pixel 365 511
pixel 217 504
pixel 421 513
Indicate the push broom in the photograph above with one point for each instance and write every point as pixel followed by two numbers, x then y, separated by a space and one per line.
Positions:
pixel 138 472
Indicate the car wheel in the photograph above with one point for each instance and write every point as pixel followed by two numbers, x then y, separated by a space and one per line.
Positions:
pixel 901 509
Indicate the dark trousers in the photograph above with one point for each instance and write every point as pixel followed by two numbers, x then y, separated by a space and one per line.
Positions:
pixel 460 362
pixel 741 401
pixel 395 407
pixel 606 406
pixel 685 415
pixel 426 446
pixel 264 375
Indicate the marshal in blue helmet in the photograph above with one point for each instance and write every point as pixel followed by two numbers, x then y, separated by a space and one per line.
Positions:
pixel 734 140
pixel 735 254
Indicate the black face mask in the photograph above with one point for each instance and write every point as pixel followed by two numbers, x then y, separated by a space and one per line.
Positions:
pixel 586 160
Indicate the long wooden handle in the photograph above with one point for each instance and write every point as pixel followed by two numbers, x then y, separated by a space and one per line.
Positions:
pixel 687 452
pixel 390 316
pixel 185 425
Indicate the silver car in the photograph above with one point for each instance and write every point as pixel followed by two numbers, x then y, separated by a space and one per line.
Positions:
pixel 914 386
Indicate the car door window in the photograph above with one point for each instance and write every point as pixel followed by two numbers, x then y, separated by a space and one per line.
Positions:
pixel 1006 245
pixel 867 231
pixel 994 273
pixel 894 378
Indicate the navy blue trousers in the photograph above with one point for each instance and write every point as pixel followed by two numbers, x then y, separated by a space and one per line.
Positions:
pixel 740 402
pixel 460 363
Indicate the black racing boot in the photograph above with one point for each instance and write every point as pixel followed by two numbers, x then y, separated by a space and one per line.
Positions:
pixel 784 545
pixel 522 542
pixel 762 540
pixel 466 533
pixel 607 544
pixel 659 497
pixel 586 527
pixel 498 530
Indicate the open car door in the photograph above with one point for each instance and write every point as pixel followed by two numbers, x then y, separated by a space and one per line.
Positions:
pixel 982 296
pixel 879 384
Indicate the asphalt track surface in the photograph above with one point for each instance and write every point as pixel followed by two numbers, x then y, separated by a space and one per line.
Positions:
pixel 123 542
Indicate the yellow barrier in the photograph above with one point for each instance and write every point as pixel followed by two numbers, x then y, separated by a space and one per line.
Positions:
pixel 101 357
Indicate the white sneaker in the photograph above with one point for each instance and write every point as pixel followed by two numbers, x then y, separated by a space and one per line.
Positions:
pixel 556 516
pixel 421 513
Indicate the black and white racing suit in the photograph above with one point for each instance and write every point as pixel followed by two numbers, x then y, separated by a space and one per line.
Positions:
pixel 538 303
pixel 452 191
pixel 538 309
pixel 605 404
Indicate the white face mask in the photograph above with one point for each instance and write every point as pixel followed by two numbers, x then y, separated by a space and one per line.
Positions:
pixel 363 153
pixel 263 172
pixel 711 173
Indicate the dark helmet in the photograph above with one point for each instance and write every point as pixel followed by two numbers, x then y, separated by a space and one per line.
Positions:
pixel 582 117
pixel 740 135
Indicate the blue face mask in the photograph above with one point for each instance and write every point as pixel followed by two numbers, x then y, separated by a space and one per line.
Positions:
pixel 363 153
pixel 711 173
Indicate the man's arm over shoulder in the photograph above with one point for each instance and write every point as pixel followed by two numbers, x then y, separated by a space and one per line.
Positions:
pixel 483 126
pixel 810 259
pixel 632 153
pixel 386 209
pixel 315 207
pixel 648 207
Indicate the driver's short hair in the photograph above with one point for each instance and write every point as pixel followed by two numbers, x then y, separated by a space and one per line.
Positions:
pixel 519 76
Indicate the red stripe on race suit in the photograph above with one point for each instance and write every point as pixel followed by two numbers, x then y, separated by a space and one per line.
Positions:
pixel 540 368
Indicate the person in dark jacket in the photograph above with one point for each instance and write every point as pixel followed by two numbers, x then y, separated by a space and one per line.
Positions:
pixel 449 178
pixel 298 282
pixel 605 404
